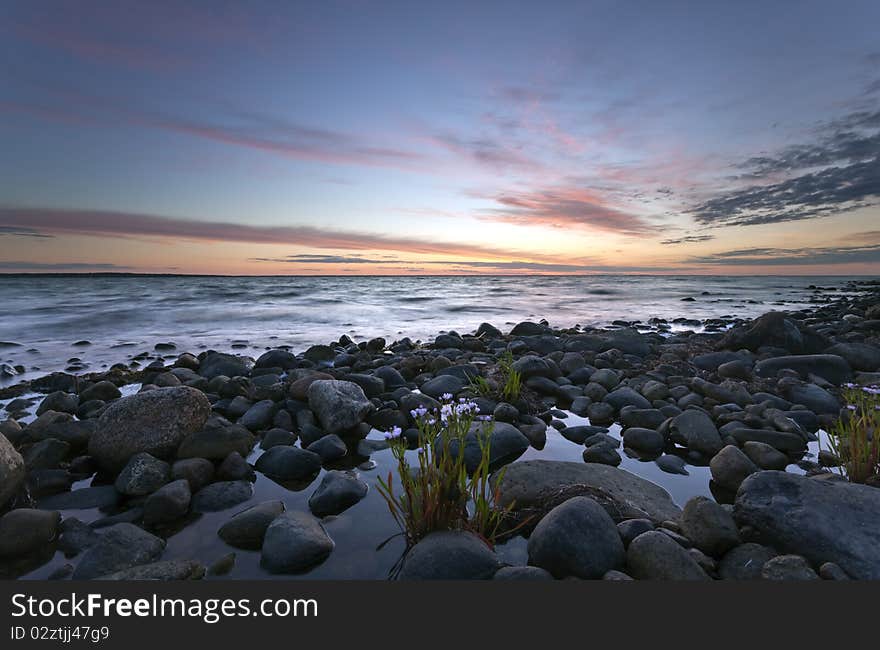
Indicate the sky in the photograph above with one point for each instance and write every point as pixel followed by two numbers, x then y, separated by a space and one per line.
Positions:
pixel 440 138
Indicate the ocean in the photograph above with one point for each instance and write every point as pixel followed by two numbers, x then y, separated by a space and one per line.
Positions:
pixel 114 318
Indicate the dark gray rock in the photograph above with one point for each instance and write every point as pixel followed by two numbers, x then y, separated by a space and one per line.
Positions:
pixel 216 442
pixel 449 555
pixel 576 538
pixel 338 405
pixel 730 467
pixel 441 384
pixel 168 503
pixel 787 442
pixel 532 483
pixel 522 573
pixel 788 567
pixel 163 571
pixel 695 430
pixel 222 495
pixel 647 441
pixel 626 396
pixel 860 356
pixel 121 546
pixel 603 454
pixel 814 397
pixel 102 390
pixel 824 521
pixel 60 402
pixel 142 475
pixel 629 529
pixel 276 359
pixel 289 463
pixel 217 364
pixel 294 542
pixel 506 444
pixel 12 471
pixel 830 367
pixel 98 496
pixel 709 526
pixel 338 491
pixel 765 456
pixel 155 421
pixel 259 416
pixel 656 556
pixel 24 530
pixel 672 464
pixel 235 468
pixel 330 447
pixel 744 562
pixel 198 472
pixel 247 529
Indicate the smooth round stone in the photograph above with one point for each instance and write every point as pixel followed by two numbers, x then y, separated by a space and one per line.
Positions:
pixel 222 495
pixel 25 529
pixel 294 542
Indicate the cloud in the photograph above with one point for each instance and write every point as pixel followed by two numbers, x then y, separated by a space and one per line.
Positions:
pixel 565 208
pixel 467 265
pixel 838 172
pixel 125 224
pixel 689 239
pixel 831 255
pixel 22 232
pixel 487 152
pixel 246 129
pixel 58 267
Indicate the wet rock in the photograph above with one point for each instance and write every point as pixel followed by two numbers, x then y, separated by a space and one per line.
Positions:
pixel 814 397
pixel 222 566
pixel 765 456
pixel 142 475
pixel 641 418
pixel 647 441
pixel 788 567
pixel 449 555
pixel 26 529
pixel 777 439
pixel 672 464
pixel 730 467
pixel 45 454
pixel 276 359
pixel 198 472
pixel 289 463
pixel 99 496
pixel 695 429
pixel 235 468
pixel 60 402
pixel 338 405
pixel 830 367
pixel 222 495
pixel 859 356
pixel 506 444
pixel 600 413
pixel 744 562
pixel 164 571
pixel 626 396
pixel 824 521
pixel 168 503
pixel 75 536
pixel 338 491
pixel 532 483
pixel 120 547
pixel 154 422
pixel 103 390
pixel 774 329
pixel 655 556
pixel 522 573
pixel 217 364
pixel 247 529
pixel 709 526
pixel 330 447
pixel 259 416
pixel 294 542
pixel 277 437
pixel 629 529
pixel 216 442
pixel 603 454
pixel 579 434
pixel 576 538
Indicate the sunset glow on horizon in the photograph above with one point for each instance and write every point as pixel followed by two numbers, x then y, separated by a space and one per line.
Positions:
pixel 386 138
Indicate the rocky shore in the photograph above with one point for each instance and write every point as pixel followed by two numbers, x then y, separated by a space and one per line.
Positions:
pixel 156 447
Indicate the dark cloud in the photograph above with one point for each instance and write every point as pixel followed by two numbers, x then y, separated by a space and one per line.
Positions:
pixel 689 239
pixel 831 255
pixel 57 267
pixel 125 224
pixel 22 232
pixel 839 171
pixel 468 265
pixel 565 207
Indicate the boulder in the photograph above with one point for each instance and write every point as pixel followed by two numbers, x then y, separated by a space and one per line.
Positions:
pixel 168 503
pixel 774 329
pixel 656 556
pixel 534 484
pixel 730 467
pixel 449 555
pixel 338 405
pixel 247 529
pixel 506 444
pixel 121 546
pixel 709 526
pixel 824 521
pixel 12 471
pixel 216 364
pixel 142 475
pixel 24 530
pixel 695 430
pixel 222 495
pixel 155 422
pixel 576 538
pixel 294 542
pixel 338 491
pixel 830 367
pixel 289 463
